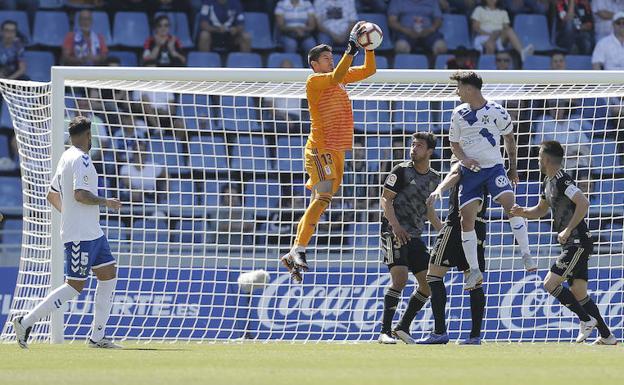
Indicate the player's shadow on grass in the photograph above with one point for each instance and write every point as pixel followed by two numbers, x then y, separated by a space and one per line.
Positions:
pixel 158 349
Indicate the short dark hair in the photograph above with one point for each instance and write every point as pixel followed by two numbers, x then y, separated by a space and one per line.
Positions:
pixel 78 125
pixel 427 137
pixel 158 19
pixel 553 149
pixel 468 77
pixel 316 52
pixel 7 22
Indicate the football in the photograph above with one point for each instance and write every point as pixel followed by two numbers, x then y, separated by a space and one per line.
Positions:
pixel 372 36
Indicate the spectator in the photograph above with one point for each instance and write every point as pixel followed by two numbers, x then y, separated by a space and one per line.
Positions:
pixel 417 24
pixel 83 4
pixel 503 61
pixel 285 113
pixel 162 48
pixel 128 137
pixel 575 26
pixel 296 23
pixel 372 6
pixel 458 6
pixel 83 46
pixel 335 19
pixel 12 63
pixel 9 163
pixel 140 176
pixel 100 135
pixel 603 19
pixel 558 61
pixel 557 124
pixel 527 6
pixel 609 52
pixel 233 219
pixel 221 27
pixel 492 30
pixel 464 59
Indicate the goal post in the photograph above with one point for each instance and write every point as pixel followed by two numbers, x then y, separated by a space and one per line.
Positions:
pixel 208 163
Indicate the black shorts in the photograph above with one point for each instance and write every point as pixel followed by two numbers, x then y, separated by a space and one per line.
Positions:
pixel 448 251
pixel 573 261
pixel 414 254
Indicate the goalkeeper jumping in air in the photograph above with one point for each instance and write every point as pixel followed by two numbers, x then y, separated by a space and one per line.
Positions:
pixel 331 135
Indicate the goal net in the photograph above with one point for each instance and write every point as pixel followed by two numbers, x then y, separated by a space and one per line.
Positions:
pixel 209 166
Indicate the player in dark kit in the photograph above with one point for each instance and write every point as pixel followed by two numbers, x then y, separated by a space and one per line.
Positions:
pixel 569 207
pixel 404 198
pixel 448 252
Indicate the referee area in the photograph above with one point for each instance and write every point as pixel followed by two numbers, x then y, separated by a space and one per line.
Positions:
pixel 260 363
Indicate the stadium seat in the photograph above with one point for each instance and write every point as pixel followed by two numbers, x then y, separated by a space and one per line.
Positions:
pixel 51 4
pixel 12 232
pixel 251 154
pixel 243 60
pixel 210 194
pixel 114 229
pixel 578 62
pixel 607 192
pixel 410 61
pixel 536 62
pixel 203 59
pixel 540 233
pixel 262 194
pixel 533 29
pixel 367 235
pixel 276 58
pixel 487 62
pixel 150 231
pixel 181 198
pixel 382 21
pixel 605 159
pixel 173 154
pixel 4 146
pixel 290 153
pixel 5 117
pixel 455 30
pixel 258 26
pixel 179 27
pixel 10 195
pixel 380 61
pixel 101 24
pixel 441 60
pixel 239 113
pixel 38 65
pixel 127 59
pixel 50 28
pixel 499 234
pixel 208 153
pixel 130 29
pixel 378 150
pixel 21 18
pixel 372 116
pixel 189 231
pixel 528 193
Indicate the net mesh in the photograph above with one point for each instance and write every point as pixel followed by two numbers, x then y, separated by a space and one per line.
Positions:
pixel 211 176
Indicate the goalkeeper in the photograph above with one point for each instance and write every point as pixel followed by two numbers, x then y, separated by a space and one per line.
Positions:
pixel 331 135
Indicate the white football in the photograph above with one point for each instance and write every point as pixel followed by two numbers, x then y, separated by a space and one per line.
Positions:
pixel 372 36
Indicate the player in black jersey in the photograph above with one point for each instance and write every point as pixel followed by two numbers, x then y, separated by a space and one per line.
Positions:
pixel 569 208
pixel 404 202
pixel 448 252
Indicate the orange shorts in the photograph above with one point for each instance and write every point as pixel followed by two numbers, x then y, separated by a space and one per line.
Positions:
pixel 324 165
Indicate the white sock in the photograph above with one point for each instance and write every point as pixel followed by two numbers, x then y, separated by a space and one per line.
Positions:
pixel 53 301
pixel 103 303
pixel 519 228
pixel 297 249
pixel 469 244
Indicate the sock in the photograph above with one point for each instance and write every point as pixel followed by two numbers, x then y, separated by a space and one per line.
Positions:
pixel 438 302
pixel 416 302
pixel 477 307
pixel 103 303
pixel 567 299
pixel 53 301
pixel 391 300
pixel 307 223
pixel 519 229
pixel 469 244
pixel 591 309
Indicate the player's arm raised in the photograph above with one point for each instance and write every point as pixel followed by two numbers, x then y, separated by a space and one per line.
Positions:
pixel 511 149
pixel 387 200
pixel 580 211
pixel 534 212
pixel 450 180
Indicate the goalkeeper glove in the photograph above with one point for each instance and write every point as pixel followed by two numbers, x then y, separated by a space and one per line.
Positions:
pixel 352 45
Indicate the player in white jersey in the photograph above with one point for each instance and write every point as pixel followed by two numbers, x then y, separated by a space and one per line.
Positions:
pixel 476 128
pixel 73 193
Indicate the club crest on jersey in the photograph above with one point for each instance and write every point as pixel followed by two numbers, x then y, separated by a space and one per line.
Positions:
pixel 327 170
pixel 391 180
pixel 501 181
pixel 85 179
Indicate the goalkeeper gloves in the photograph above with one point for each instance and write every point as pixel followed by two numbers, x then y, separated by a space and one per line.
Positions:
pixel 352 45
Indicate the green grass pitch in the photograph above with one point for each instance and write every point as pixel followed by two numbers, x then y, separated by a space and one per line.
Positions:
pixel 324 363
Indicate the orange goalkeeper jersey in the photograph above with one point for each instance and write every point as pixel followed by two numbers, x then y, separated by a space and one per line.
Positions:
pixel 330 108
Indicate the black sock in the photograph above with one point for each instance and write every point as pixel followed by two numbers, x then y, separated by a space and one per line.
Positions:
pixel 591 309
pixel 438 302
pixel 416 302
pixel 391 300
pixel 477 307
pixel 567 299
